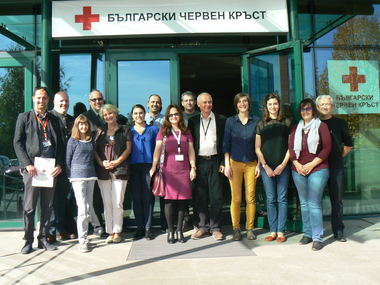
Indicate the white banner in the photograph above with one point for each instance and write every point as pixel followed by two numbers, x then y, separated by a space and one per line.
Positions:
pixel 354 86
pixel 164 17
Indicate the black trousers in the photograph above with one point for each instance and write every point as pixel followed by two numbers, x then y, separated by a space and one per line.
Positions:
pixel 335 184
pixel 31 195
pixel 208 186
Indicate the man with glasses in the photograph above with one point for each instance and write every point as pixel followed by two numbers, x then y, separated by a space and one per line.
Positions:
pixel 38 135
pixel 96 101
pixel 340 136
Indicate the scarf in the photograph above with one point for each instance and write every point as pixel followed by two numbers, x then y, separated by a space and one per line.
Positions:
pixel 312 139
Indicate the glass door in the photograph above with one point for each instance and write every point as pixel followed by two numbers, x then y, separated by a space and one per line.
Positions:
pixel 16 85
pixel 132 78
pixel 275 69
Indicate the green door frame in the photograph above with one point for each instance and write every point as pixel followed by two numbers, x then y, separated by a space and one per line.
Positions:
pixel 299 85
pixel 22 59
pixel 111 70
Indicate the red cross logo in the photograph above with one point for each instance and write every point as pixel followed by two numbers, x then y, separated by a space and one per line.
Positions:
pixel 354 79
pixel 87 18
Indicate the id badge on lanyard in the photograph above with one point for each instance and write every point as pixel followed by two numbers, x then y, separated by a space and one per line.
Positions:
pixel 179 156
pixel 46 142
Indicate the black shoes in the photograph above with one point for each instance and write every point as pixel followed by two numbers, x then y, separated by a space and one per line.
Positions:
pixel 139 234
pixel 171 237
pixel 44 244
pixel 28 247
pixel 237 234
pixel 305 240
pixel 317 245
pixel 148 234
pixel 180 237
pixel 340 237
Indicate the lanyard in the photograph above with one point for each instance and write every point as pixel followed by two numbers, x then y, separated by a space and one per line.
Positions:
pixel 43 125
pixel 205 131
pixel 178 140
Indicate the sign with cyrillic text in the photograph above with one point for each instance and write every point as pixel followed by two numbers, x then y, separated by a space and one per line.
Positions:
pixel 165 17
pixel 354 86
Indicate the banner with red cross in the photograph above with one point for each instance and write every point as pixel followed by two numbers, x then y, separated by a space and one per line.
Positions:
pixel 354 86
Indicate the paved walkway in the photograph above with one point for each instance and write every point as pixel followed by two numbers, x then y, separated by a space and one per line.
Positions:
pixel 249 262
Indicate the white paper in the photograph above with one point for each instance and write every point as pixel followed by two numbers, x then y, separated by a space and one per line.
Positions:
pixel 45 167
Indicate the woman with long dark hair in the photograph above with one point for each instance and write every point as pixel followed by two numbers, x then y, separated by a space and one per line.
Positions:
pixel 178 169
pixel 272 136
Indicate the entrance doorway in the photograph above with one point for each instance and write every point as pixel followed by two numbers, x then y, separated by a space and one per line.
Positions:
pixel 217 74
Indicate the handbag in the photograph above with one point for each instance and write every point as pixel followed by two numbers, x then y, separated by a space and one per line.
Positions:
pixel 157 180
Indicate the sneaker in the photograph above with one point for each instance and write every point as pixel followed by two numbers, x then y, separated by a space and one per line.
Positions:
pixel 199 234
pixel 237 234
pixel 250 234
pixel 317 245
pixel 305 240
pixel 98 232
pixel 90 245
pixel 84 247
pixel 217 235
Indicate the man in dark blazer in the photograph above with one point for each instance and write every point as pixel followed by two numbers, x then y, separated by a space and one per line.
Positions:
pixel 62 224
pixel 96 101
pixel 208 131
pixel 38 134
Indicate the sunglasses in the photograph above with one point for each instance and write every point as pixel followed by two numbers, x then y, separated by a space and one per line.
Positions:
pixel 308 109
pixel 96 99
pixel 172 115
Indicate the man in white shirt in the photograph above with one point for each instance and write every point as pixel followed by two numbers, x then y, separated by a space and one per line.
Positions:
pixel 208 131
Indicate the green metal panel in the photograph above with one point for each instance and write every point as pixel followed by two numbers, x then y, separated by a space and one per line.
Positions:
pixel 111 71
pixel 22 59
pixel 46 58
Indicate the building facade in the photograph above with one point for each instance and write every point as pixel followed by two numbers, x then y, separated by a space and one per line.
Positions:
pixel 314 47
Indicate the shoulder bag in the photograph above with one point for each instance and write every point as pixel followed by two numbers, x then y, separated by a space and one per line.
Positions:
pixel 157 180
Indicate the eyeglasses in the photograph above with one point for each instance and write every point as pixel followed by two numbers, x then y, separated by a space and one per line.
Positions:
pixel 172 115
pixel 96 99
pixel 325 105
pixel 308 109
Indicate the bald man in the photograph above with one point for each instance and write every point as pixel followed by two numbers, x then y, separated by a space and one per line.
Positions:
pixel 58 228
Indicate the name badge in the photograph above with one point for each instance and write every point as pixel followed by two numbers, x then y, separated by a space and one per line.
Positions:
pixel 179 157
pixel 46 143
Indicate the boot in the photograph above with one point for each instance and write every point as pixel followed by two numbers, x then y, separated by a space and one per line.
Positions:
pixel 171 237
pixel 180 237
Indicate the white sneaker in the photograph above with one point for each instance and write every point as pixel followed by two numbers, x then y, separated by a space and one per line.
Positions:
pixel 83 248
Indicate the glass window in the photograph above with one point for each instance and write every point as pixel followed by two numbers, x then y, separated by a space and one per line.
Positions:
pixel 19 29
pixel 75 78
pixel 354 43
pixel 138 79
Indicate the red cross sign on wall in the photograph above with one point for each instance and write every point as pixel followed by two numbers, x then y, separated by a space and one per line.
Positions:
pixel 354 79
pixel 87 18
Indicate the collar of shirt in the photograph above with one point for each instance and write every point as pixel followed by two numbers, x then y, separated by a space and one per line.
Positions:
pixel 212 116
pixel 250 118
pixel 38 114
pixel 59 114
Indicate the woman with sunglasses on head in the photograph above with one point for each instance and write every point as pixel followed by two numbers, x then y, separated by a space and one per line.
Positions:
pixel 113 146
pixel 80 156
pixel 178 167
pixel 309 148
pixel 143 144
pixel 273 134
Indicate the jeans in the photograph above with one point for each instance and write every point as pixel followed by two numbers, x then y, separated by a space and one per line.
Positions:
pixel 83 191
pixel 276 189
pixel 335 184
pixel 310 190
pixel 113 191
pixel 240 170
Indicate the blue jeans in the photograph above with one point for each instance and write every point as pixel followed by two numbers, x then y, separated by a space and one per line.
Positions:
pixel 276 189
pixel 310 190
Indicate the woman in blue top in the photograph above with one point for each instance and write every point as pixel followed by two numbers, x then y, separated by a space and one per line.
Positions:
pixel 80 156
pixel 241 162
pixel 143 144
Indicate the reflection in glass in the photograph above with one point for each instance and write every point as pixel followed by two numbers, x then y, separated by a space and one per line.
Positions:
pixel 138 79
pixel 18 29
pixel 75 78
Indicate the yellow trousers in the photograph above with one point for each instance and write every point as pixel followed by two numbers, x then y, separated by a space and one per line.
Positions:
pixel 240 170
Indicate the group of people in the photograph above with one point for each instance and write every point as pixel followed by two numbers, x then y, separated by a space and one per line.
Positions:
pixel 99 156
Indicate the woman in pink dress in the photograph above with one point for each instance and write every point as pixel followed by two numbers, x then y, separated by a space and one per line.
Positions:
pixel 178 168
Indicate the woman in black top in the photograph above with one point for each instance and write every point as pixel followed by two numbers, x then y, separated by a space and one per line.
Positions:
pixel 272 137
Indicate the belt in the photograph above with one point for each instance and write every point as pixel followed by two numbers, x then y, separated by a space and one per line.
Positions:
pixel 208 157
